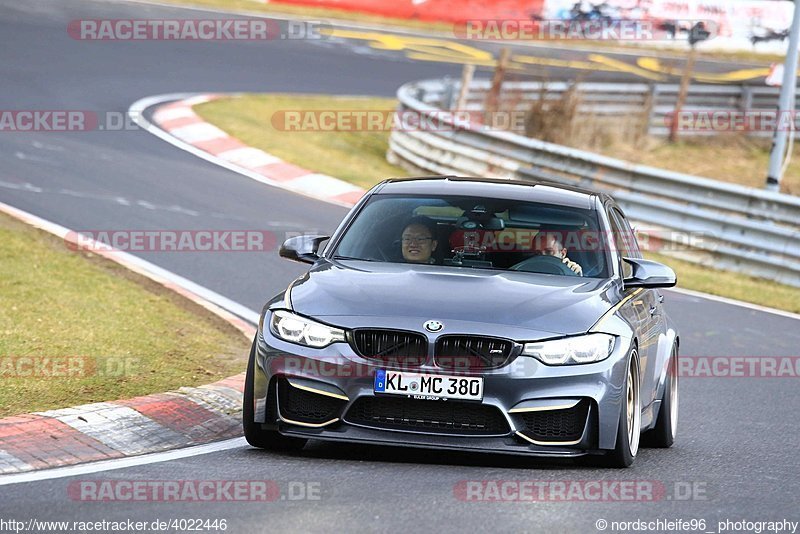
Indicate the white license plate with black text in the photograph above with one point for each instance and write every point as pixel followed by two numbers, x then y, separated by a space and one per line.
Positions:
pixel 425 386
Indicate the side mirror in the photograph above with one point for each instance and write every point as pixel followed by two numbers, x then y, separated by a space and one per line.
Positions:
pixel 649 274
pixel 302 248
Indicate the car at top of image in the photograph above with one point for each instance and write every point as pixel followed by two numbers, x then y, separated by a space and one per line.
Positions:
pixel 470 314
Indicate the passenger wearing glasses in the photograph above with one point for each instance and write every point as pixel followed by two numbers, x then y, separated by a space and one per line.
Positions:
pixel 418 242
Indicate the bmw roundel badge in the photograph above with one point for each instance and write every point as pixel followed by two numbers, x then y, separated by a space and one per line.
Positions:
pixel 433 326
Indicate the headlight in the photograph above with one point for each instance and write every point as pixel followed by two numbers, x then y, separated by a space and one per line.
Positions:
pixel 297 329
pixel 571 350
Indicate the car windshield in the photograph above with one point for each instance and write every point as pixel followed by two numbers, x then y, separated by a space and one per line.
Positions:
pixel 477 233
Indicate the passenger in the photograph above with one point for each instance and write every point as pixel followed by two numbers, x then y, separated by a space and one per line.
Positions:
pixel 418 241
pixel 550 245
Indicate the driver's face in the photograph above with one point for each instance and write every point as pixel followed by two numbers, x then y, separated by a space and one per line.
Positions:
pixel 418 244
pixel 549 247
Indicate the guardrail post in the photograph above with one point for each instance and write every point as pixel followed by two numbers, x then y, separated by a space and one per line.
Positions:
pixel 746 99
pixel 650 108
pixel 449 93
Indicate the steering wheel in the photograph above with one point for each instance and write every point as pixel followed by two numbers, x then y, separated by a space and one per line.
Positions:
pixel 595 269
pixel 543 264
pixel 384 255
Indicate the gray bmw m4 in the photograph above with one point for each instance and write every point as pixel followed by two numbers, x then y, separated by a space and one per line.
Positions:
pixel 470 314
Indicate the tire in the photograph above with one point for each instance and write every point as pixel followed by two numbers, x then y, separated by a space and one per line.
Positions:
pixel 253 433
pixel 663 434
pixel 630 418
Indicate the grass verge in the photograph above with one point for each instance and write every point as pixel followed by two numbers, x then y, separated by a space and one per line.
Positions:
pixel 360 158
pixel 76 328
pixel 356 156
pixel 729 158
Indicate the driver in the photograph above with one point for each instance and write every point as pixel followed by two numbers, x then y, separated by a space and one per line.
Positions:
pixel 418 242
pixel 550 245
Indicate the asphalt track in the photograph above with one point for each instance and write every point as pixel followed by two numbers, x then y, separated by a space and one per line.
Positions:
pixel 737 437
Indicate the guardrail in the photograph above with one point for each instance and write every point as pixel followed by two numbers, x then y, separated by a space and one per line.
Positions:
pixel 734 227
pixel 654 102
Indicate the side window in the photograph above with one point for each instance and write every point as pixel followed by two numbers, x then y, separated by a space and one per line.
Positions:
pixel 631 245
pixel 619 236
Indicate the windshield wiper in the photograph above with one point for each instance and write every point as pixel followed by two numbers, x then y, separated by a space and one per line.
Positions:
pixel 351 258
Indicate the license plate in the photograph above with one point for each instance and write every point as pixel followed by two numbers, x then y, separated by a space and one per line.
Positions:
pixel 425 386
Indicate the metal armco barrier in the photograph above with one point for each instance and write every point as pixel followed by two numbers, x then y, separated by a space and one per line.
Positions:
pixel 656 101
pixel 739 228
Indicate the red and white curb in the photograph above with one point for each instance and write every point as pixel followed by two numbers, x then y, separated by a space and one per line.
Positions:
pixel 175 121
pixel 108 430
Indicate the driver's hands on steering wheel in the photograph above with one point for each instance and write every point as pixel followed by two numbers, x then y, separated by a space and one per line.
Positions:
pixel 577 269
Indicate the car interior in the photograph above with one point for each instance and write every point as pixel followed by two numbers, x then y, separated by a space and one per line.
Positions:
pixel 480 234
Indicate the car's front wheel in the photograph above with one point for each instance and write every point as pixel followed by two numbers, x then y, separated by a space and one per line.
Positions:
pixel 253 433
pixel 630 420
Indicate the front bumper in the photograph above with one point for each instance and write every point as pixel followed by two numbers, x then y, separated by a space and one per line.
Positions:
pixel 321 393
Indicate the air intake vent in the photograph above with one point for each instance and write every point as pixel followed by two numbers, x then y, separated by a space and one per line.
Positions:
pixel 557 425
pixel 428 416
pixel 307 407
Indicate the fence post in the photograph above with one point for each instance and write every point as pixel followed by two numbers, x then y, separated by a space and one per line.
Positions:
pixel 493 96
pixel 466 80
pixel 682 93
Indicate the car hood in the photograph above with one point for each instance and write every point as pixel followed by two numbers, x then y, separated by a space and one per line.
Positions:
pixel 544 303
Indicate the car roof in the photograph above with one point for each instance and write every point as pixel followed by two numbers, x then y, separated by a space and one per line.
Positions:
pixel 533 191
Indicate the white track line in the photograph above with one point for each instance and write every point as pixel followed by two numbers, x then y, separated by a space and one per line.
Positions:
pixel 734 302
pixel 122 463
